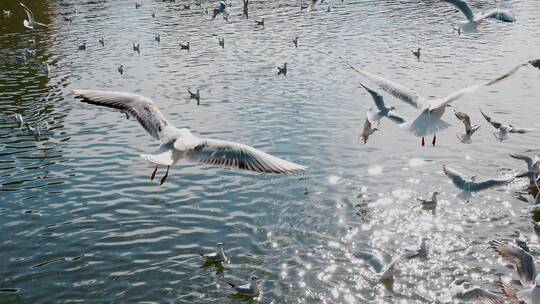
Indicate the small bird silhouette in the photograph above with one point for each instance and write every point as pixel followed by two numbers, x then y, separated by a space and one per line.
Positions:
pixel 222 42
pixel 184 46
pixel 196 95
pixel 261 22
pixel 102 41
pixel 121 69
pixel 295 41
pixel 157 37
pixel 82 47
pixel 416 53
pixel 282 69
pixel 136 48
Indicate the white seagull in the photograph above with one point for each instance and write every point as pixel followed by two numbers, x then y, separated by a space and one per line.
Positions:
pixel 524 265
pixel 383 272
pixel 218 256
pixel 417 252
pixel 179 144
pixel 474 20
pixel 468 186
pixel 535 207
pixel 252 289
pixel 533 168
pixel 503 130
pixel 367 130
pixel 31 23
pixel 382 110
pixel 469 129
pixel 429 121
pixel 429 204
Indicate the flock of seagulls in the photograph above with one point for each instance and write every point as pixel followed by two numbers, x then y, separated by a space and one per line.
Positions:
pixel 179 145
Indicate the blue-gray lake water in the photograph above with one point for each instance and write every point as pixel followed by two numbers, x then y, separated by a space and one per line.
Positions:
pixel 80 221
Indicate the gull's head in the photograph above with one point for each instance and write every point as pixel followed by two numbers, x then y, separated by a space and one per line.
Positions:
pixel 448 105
pixel 220 245
pixel 375 129
pixel 436 193
pixel 256 279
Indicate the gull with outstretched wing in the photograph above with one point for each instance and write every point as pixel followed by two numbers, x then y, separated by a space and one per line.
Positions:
pixel 179 144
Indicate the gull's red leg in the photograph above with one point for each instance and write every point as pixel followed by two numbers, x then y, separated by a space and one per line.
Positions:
pixel 423 142
pixel 434 139
pixel 153 174
pixel 164 176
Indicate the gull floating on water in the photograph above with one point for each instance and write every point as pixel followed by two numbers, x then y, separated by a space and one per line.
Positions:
pixel 416 53
pixel 503 130
pixel 462 291
pixel 18 119
pixel 137 48
pixel 252 289
pixel 35 130
pixel 196 95
pixel 121 69
pixel 178 145
pixel 184 46
pixel 474 20
pixel 260 22
pixel 367 130
pixel 430 204
pixel 282 69
pixel 416 252
pixel 31 23
pixel 82 47
pixel 102 41
pixel 46 69
pixel 383 111
pixel 469 186
pixel 218 256
pixel 469 129
pixel 295 41
pixel 429 121
pixel 7 14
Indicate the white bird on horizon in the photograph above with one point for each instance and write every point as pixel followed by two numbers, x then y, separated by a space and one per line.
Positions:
pixel 382 110
pixel 178 145
pixel 31 23
pixel 503 130
pixel 252 289
pixel 469 186
pixel 429 121
pixel 472 22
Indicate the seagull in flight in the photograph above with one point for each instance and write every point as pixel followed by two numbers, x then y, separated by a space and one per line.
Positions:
pixel 252 289
pixel 469 186
pixel 31 23
pixel 383 272
pixel 470 25
pixel 429 121
pixel 469 129
pixel 382 110
pixel 367 130
pixel 533 62
pixel 503 130
pixel 533 168
pixel 179 144
pixel 524 265
pixel 461 290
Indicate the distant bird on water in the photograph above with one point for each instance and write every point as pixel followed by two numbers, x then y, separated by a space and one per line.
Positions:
pixel 137 5
pixel 503 130
pixel 295 41
pixel 196 95
pixel 217 256
pixel 102 41
pixel 121 69
pixel 251 289
pixel 261 22
pixel 157 37
pixel 179 145
pixel 429 204
pixel 474 20
pixel 246 9
pixel 31 23
pixel 282 69
pixel 137 48
pixel 469 129
pixel 222 42
pixel 184 46
pixel 416 53
pixel 82 46
pixel 18 119
pixel 7 14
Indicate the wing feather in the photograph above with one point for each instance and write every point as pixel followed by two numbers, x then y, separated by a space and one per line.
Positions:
pixel 521 260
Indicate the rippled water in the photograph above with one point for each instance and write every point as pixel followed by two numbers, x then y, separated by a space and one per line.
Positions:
pixel 81 222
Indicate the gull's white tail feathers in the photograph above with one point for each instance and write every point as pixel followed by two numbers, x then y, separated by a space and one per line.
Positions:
pixel 425 124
